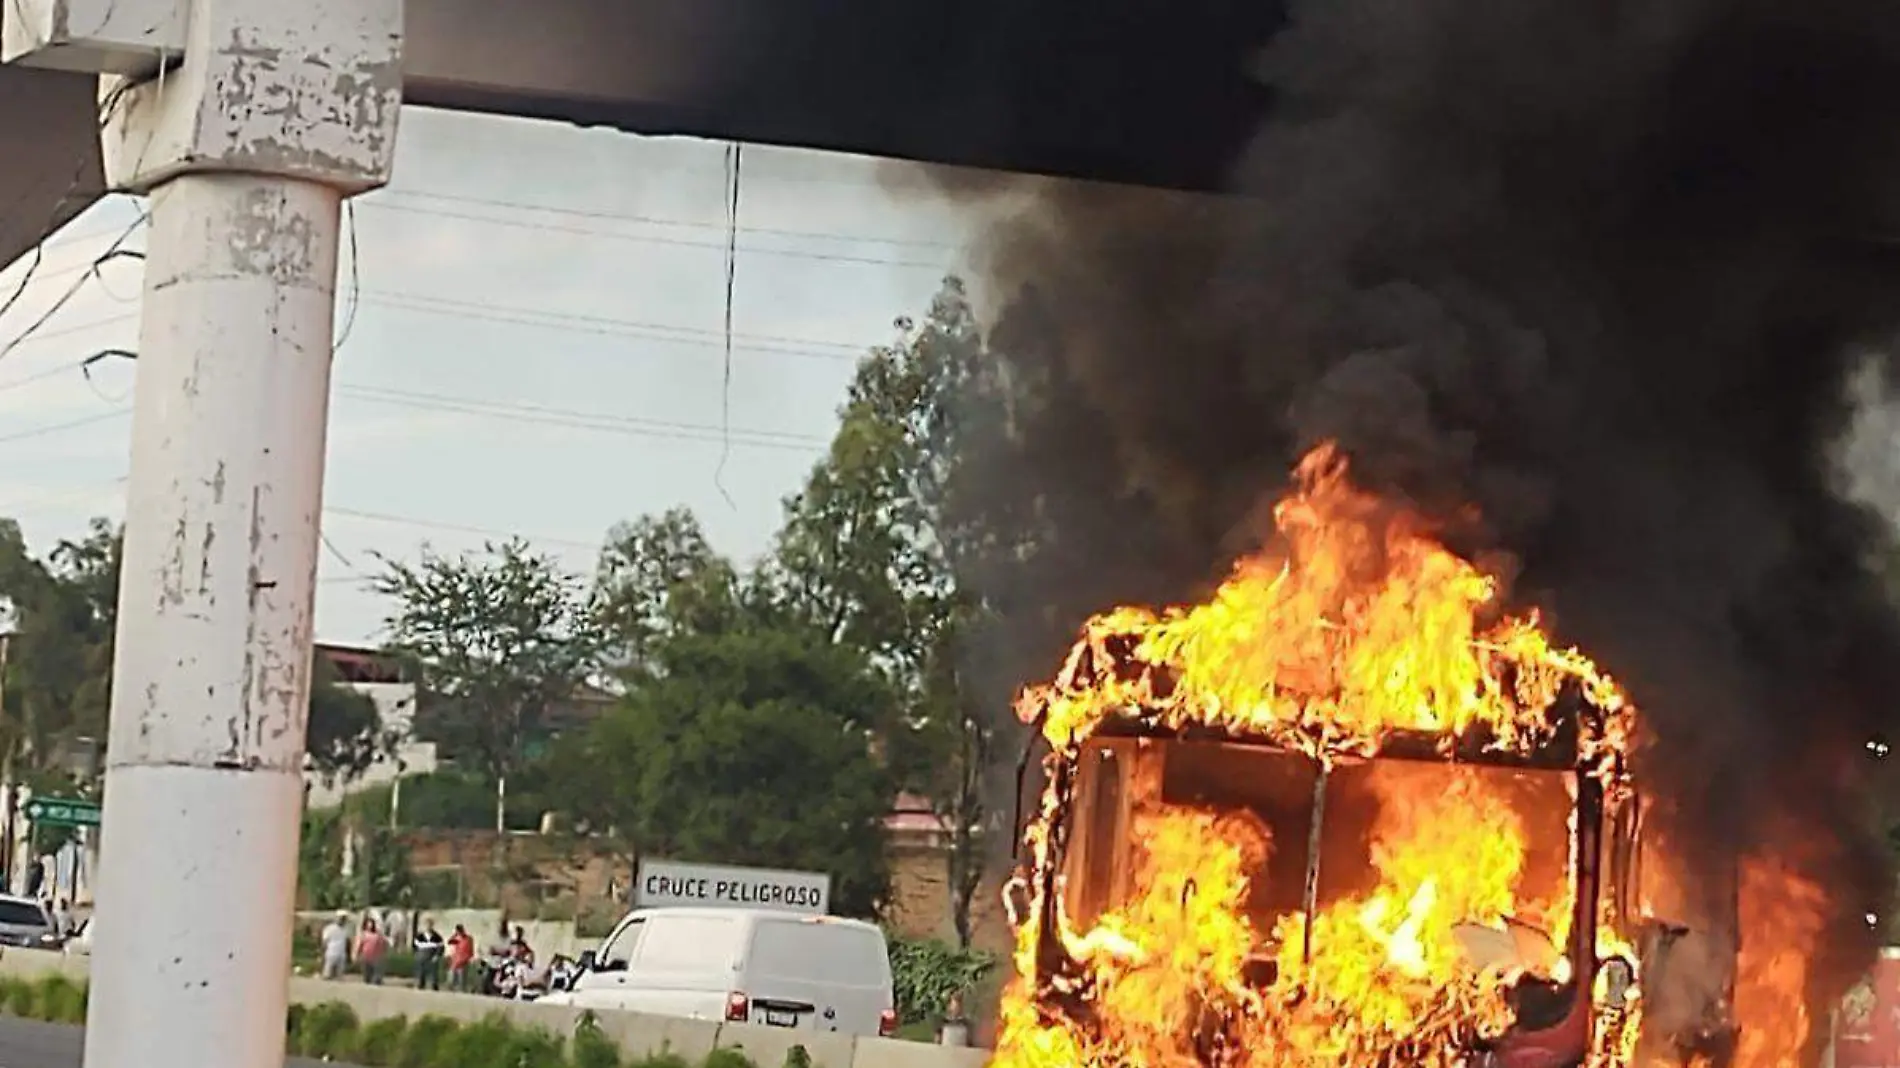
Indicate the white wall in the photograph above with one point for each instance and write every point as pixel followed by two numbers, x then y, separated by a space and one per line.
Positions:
pixel 396 710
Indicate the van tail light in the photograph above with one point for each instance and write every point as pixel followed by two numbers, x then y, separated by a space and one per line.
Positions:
pixel 887 1023
pixel 738 1007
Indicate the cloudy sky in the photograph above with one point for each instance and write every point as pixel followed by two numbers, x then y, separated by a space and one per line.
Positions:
pixel 532 344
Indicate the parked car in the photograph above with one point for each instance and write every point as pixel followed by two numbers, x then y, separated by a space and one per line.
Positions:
pixel 779 969
pixel 27 923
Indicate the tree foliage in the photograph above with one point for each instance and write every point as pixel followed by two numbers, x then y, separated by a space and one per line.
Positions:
pixel 749 746
pixel 498 639
pixel 64 608
pixel 658 578
pixel 345 733
pixel 927 975
pixel 380 870
pixel 875 548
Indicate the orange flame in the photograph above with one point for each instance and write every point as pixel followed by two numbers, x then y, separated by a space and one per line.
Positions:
pixel 1364 626
pixel 1784 915
pixel 1358 627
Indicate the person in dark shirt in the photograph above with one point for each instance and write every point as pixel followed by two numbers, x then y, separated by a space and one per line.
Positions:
pixel 429 950
pixel 519 949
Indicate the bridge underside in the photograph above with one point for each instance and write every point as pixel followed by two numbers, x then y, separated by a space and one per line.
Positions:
pixel 49 154
pixel 1016 85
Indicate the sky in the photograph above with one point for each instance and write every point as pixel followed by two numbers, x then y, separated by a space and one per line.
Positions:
pixel 530 322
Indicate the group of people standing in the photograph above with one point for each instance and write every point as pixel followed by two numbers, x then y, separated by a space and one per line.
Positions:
pixel 367 950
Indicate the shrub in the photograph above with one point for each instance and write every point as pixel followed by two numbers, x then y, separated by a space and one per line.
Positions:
pixel 927 973
pixel 329 1030
pixel 728 1058
pixel 592 1048
pixel 60 1000
pixel 423 1043
pixel 534 1048
pixel 18 998
pixel 305 953
pixel 403 963
pixel 485 1044
pixel 798 1057
pixel 380 1042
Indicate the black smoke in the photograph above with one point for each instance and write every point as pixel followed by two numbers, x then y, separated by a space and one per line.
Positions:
pixel 1599 268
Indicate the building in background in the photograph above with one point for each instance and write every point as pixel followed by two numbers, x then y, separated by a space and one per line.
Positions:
pixel 379 677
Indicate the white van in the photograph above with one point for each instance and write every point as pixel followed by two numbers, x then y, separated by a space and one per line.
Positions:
pixel 780 969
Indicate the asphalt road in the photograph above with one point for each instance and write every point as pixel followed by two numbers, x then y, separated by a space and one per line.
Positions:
pixel 31 1044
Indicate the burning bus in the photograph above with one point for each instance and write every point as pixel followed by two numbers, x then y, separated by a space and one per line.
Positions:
pixel 1348 812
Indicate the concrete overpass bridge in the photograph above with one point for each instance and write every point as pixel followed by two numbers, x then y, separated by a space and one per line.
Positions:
pixel 1148 92
pixel 247 123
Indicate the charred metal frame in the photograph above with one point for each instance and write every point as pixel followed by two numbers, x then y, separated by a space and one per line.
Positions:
pixel 1563 749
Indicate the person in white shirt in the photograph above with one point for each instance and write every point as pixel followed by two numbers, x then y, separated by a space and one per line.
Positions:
pixel 336 946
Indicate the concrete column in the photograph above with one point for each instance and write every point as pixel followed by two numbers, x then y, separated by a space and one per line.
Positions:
pixel 281 109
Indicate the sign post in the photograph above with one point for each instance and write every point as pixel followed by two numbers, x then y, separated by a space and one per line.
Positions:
pixel 670 883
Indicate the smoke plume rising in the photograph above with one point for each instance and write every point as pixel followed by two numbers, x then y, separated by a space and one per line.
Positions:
pixel 1588 283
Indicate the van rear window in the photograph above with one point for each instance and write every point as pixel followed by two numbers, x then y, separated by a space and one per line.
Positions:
pixel 820 952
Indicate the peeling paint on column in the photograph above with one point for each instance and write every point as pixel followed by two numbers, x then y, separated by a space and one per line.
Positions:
pixel 229 550
pixel 324 109
pixel 308 90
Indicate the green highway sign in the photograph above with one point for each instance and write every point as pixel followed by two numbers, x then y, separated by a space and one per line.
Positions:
pixel 62 811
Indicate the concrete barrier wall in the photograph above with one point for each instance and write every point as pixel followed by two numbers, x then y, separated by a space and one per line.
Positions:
pixel 638 1034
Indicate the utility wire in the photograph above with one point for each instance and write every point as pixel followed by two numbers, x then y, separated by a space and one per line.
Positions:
pixel 457 528
pixel 70 365
pixel 71 424
pixel 579 420
pixel 570 322
pixel 77 328
pixel 650 239
pixel 657 220
pixel 72 193
pixel 356 283
pixel 735 156
pixel 566 418
pixel 686 335
pixel 388 518
pixel 115 251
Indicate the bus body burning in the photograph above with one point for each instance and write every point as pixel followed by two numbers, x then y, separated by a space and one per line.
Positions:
pixel 1347 813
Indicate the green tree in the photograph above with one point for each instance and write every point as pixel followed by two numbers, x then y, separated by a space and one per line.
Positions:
pixel 659 577
pixel 875 549
pixel 345 732
pixel 748 746
pixel 64 609
pixel 498 639
pixel 380 868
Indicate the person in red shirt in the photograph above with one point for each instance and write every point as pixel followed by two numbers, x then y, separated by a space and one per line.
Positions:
pixel 372 948
pixel 461 955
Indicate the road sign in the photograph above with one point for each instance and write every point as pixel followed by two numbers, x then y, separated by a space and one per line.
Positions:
pixel 62 811
pixel 666 882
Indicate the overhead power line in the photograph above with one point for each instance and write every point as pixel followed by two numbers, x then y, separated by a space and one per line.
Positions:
pixel 650 239
pixel 57 428
pixel 569 418
pixel 547 415
pixel 810 348
pixel 401 195
pixel 116 250
pixel 385 518
pixel 458 528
